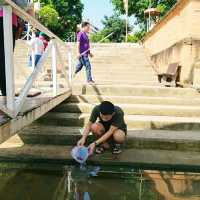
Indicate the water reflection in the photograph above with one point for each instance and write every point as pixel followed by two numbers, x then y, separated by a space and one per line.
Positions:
pixel 73 184
pixel 175 185
pixel 140 185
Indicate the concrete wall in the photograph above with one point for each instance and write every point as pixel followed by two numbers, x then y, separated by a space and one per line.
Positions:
pixel 176 39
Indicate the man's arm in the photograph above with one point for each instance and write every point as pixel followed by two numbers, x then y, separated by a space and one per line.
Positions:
pixel 86 132
pixel 102 139
pixel 107 135
pixel 93 118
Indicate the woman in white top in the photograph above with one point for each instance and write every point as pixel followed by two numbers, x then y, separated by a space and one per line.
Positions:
pixel 37 49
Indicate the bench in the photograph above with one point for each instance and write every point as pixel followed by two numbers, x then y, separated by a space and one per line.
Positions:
pixel 172 75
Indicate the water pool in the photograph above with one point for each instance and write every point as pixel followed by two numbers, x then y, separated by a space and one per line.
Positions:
pixel 71 183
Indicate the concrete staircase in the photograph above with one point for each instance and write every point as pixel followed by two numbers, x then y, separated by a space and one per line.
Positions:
pixel 163 122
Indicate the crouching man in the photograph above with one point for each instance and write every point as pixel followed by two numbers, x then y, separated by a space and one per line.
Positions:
pixel 110 130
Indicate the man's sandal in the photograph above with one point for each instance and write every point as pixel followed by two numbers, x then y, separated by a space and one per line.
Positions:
pixel 117 149
pixel 100 149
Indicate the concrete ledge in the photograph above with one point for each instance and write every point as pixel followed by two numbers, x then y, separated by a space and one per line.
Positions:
pixel 137 158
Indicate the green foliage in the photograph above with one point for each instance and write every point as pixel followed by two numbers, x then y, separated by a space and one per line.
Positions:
pixel 96 37
pixel 115 25
pixel 136 37
pixel 137 8
pixel 69 15
pixel 49 17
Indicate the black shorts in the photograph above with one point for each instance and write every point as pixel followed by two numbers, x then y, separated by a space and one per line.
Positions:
pixel 107 127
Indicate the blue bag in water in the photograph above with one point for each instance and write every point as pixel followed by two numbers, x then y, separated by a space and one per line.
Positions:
pixel 86 196
pixel 80 154
pixel 95 171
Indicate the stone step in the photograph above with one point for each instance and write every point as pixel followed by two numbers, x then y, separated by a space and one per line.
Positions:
pixel 133 121
pixel 101 69
pixel 137 158
pixel 118 61
pixel 110 81
pixel 118 72
pixel 133 90
pixel 127 74
pixel 142 72
pixel 163 140
pixel 119 78
pixel 93 99
pixel 135 109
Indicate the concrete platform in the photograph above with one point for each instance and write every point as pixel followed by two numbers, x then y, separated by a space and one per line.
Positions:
pixel 145 159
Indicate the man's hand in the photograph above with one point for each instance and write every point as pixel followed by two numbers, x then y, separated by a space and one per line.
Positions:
pixel 78 55
pixel 81 142
pixel 91 148
pixel 91 55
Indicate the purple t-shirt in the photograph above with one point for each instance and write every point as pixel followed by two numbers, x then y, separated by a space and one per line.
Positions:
pixel 84 42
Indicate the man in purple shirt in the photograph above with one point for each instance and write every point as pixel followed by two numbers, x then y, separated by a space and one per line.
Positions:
pixel 83 51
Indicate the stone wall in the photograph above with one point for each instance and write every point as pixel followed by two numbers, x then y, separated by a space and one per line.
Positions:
pixel 176 38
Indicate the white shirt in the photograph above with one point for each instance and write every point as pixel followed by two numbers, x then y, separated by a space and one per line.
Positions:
pixel 37 46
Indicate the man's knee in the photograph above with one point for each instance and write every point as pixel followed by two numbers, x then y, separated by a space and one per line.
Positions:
pixel 119 136
pixel 97 129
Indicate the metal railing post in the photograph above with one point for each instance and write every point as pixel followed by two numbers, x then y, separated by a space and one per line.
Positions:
pixel 32 60
pixel 54 68
pixel 9 64
pixel 70 66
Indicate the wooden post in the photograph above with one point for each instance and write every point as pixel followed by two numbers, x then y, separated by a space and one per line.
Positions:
pixel 9 64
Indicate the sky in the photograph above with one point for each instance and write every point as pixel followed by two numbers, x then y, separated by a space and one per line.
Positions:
pixel 95 10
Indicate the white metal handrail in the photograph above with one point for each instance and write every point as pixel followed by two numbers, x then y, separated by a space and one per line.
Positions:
pixel 72 37
pixel 14 106
pixel 86 51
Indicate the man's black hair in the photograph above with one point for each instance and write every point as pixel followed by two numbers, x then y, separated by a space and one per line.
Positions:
pixel 107 108
pixel 37 33
pixel 84 24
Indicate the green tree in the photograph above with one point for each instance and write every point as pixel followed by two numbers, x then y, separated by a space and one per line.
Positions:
pixel 97 37
pixel 137 8
pixel 70 12
pixel 136 36
pixel 49 17
pixel 115 25
pixel 69 15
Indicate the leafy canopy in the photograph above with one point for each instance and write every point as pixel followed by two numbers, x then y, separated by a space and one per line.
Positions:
pixel 49 16
pixel 69 15
pixel 137 7
pixel 115 25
